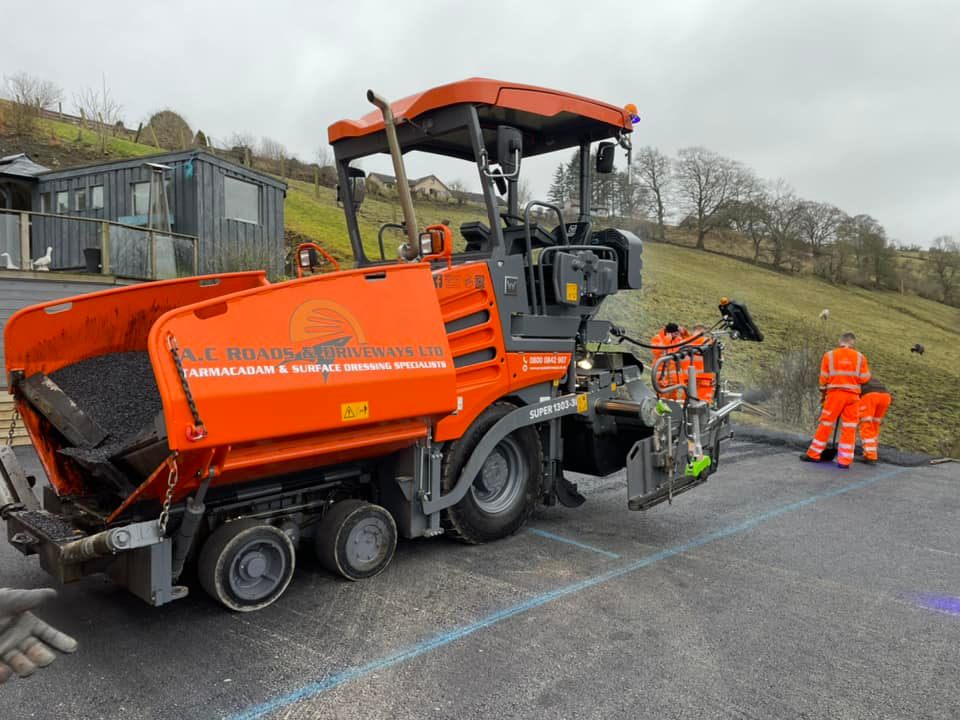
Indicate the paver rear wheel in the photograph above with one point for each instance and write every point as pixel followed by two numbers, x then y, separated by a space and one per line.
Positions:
pixel 504 492
pixel 246 564
pixel 356 539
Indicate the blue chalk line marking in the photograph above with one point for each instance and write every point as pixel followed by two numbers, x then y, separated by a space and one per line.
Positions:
pixel 446 638
pixel 575 543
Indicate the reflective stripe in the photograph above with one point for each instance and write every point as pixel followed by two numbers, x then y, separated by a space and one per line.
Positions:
pixel 846 424
pixel 845 455
pixel 827 424
pixel 818 444
pixel 845 446
pixel 868 419
pixel 859 364
pixel 830 369
pixel 853 388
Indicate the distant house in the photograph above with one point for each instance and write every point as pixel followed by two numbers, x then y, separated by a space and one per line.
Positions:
pixel 232 210
pixel 429 186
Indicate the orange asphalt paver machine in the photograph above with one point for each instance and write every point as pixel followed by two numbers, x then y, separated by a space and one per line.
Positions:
pixel 223 422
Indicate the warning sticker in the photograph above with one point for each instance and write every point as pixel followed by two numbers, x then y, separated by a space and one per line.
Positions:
pixel 581 403
pixel 573 292
pixel 354 411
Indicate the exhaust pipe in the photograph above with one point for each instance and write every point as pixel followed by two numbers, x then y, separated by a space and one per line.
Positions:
pixel 412 249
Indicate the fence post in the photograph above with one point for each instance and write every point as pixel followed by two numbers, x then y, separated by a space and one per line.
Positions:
pixel 105 248
pixel 152 241
pixel 25 241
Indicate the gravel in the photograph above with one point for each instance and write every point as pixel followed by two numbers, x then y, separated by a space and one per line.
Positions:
pixel 118 391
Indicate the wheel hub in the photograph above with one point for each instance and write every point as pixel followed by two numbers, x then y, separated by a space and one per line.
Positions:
pixel 367 542
pixel 258 569
pixel 501 479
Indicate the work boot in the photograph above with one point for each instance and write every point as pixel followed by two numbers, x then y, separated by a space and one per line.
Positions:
pixel 843 467
pixel 807 458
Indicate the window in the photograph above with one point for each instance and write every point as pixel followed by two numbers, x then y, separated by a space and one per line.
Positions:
pixel 46 202
pixel 80 199
pixel 141 198
pixel 241 200
pixel 96 197
pixel 63 201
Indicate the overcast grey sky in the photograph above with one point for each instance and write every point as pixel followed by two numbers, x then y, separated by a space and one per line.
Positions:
pixel 855 103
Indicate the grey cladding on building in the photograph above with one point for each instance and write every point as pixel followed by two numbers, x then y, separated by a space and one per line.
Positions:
pixel 235 212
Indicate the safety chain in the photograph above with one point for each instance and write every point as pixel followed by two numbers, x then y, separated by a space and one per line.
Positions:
pixel 13 425
pixel 198 431
pixel 172 478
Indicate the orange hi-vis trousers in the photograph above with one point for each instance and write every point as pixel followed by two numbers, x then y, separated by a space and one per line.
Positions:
pixel 839 406
pixel 873 406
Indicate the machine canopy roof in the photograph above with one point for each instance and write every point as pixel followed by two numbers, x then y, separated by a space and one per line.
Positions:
pixel 549 119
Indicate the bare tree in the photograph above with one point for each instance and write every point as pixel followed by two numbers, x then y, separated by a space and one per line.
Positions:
pixel 99 107
pixel 524 193
pixel 818 224
pixel 747 213
pixel 271 149
pixel 324 156
pixel 781 219
pixel 28 95
pixel 241 140
pixel 944 259
pixel 706 182
pixel 872 253
pixel 459 191
pixel 653 173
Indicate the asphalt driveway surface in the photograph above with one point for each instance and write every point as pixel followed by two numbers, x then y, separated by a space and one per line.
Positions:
pixel 776 590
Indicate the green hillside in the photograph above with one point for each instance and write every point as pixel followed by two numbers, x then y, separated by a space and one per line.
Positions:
pixel 684 285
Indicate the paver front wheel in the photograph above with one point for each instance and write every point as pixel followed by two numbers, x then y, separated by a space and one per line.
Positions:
pixel 504 492
pixel 356 539
pixel 246 564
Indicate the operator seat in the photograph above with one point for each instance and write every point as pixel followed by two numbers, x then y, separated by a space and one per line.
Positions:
pixel 515 238
pixel 477 236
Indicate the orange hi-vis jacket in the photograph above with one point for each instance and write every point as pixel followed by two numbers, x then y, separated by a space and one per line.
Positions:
pixel 843 369
pixel 669 372
pixel 706 382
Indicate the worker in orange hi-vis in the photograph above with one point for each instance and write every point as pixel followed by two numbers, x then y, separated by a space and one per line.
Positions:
pixel 670 337
pixel 843 371
pixel 874 403
pixel 706 382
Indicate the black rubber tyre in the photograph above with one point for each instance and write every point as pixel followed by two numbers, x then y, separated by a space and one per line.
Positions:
pixel 356 539
pixel 504 493
pixel 246 564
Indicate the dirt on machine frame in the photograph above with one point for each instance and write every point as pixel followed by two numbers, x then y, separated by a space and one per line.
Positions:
pixel 222 422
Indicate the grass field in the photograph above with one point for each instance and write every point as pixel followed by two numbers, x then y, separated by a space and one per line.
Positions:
pixel 684 285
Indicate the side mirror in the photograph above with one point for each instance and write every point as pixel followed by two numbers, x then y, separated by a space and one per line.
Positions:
pixel 605 157
pixel 436 242
pixel 307 258
pixel 509 149
pixel 358 186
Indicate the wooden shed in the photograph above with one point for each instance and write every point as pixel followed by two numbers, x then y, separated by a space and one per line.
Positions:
pixel 235 212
